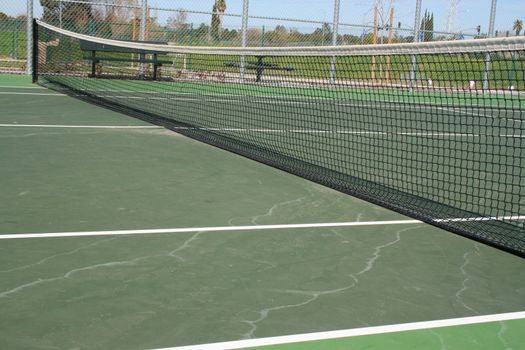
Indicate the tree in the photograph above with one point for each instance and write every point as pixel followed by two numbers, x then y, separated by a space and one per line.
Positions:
pixel 51 10
pixel 120 17
pixel 518 26
pixel 280 34
pixel 427 26
pixel 3 17
pixel 323 34
pixel 178 21
pixel 119 11
pixel 327 33
pixel 77 14
pixel 219 7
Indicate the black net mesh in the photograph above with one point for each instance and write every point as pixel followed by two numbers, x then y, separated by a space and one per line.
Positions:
pixel 438 136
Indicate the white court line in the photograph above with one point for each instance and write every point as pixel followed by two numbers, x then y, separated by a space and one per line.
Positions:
pixel 514 136
pixel 263 100
pixel 472 114
pixel 205 229
pixel 245 228
pixel 365 331
pixel 32 94
pixel 294 97
pixel 483 218
pixel 21 87
pixel 299 103
pixel 81 126
pixel 350 132
pixel 309 99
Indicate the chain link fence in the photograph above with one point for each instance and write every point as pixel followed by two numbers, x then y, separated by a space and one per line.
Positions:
pixel 216 23
pixel 13 38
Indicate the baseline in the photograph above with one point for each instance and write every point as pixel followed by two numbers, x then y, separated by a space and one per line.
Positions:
pixel 299 338
pixel 81 126
pixel 241 228
pixel 205 229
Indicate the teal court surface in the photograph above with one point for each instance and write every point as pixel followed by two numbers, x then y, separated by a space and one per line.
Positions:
pixel 118 234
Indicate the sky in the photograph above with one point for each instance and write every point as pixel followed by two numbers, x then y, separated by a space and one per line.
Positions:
pixel 470 13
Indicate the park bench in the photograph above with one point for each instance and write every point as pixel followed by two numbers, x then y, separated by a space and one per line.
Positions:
pixel 259 66
pixel 96 60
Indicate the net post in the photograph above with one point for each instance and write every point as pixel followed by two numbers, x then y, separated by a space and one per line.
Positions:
pixel 244 32
pixel 335 33
pixel 29 36
pixel 142 33
pixel 413 70
pixel 487 55
pixel 35 53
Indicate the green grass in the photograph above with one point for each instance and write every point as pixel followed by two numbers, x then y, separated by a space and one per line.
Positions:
pixel 12 50
pixel 13 44
pixel 445 71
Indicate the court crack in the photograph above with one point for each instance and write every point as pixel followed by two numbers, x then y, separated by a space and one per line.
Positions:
pixel 270 212
pixel 501 336
pixel 466 279
pixel 263 314
pixel 46 259
pixel 69 274
pixel 312 296
pixel 441 340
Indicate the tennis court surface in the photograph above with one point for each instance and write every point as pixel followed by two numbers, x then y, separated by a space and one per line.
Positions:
pixel 120 234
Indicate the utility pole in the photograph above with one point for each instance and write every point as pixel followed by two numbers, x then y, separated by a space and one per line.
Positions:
pixel 29 25
pixel 244 32
pixel 142 33
pixel 335 33
pixel 417 22
pixel 487 55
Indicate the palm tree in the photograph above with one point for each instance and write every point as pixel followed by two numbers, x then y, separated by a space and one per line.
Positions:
pixel 219 7
pixel 518 26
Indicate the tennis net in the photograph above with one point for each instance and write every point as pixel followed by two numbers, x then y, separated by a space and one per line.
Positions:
pixel 435 130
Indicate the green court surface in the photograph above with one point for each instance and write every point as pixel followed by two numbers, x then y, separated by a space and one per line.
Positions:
pixel 353 134
pixel 438 97
pixel 11 80
pixel 217 272
pixel 470 337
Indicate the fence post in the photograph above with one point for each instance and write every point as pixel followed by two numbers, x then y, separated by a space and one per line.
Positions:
pixel 413 71
pixel 244 32
pixel 35 57
pixel 60 14
pixel 142 33
pixel 487 55
pixel 335 33
pixel 29 35
pixel 143 20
